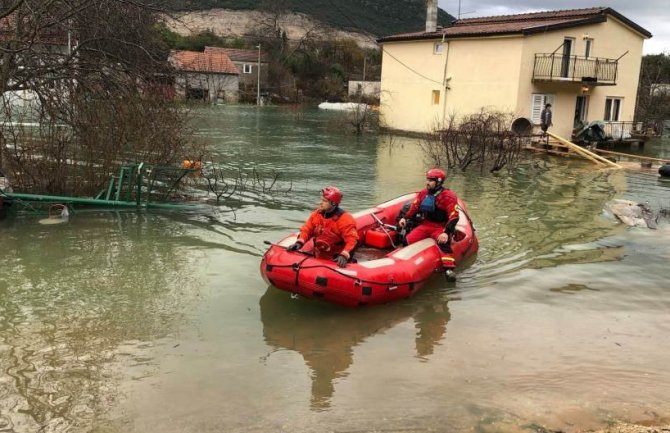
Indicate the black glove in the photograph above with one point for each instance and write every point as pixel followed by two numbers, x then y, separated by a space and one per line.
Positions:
pixel 295 247
pixel 451 227
pixel 340 260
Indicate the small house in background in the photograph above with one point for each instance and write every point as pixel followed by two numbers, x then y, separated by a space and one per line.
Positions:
pixel 209 76
pixel 248 64
pixel 24 44
pixel 366 89
pixel 586 62
pixel 48 39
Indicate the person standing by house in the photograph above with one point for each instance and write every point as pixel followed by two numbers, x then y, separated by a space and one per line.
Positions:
pixel 546 119
pixel 439 208
pixel 333 229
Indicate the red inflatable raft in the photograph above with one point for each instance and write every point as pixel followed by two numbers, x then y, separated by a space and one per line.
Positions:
pixel 388 273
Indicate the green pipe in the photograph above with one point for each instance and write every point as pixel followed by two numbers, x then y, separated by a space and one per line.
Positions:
pixel 140 175
pixel 129 190
pixel 109 188
pixel 95 202
pixel 119 187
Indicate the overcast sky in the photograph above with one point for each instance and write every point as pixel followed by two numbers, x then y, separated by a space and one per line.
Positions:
pixel 653 15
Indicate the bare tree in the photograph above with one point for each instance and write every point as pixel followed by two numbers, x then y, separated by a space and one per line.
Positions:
pixel 45 42
pixel 653 98
pixel 226 181
pixel 99 77
pixel 270 24
pixel 481 140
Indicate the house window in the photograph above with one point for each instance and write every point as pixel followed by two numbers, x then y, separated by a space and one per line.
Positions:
pixel 588 47
pixel 247 68
pixel 612 109
pixel 436 97
pixel 438 48
pixel 537 104
pixel 581 109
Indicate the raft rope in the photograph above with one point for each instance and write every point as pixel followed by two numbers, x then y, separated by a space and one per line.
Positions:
pixel 382 225
pixel 297 268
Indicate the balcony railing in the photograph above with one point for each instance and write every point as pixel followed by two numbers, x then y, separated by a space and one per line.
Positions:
pixel 575 69
pixel 611 131
pixel 623 130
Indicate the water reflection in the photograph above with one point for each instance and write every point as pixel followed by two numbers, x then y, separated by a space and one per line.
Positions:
pixel 326 336
pixel 78 302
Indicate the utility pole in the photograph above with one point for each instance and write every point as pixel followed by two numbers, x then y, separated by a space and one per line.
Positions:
pixel 258 73
pixel 365 63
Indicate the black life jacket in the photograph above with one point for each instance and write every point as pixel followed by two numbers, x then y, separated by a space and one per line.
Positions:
pixel 428 208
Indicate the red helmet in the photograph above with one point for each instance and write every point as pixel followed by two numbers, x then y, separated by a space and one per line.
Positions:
pixel 437 174
pixel 332 194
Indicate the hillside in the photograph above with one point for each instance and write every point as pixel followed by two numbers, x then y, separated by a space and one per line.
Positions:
pixel 243 24
pixel 376 17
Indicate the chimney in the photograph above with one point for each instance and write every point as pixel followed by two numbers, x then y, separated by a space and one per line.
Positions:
pixel 431 16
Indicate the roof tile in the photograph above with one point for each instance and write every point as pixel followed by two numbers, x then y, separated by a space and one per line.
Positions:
pixel 520 23
pixel 212 62
pixel 238 54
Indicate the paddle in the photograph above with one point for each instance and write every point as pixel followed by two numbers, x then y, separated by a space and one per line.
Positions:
pixel 286 248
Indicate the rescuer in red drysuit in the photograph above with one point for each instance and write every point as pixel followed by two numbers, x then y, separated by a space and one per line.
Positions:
pixel 333 229
pixel 438 207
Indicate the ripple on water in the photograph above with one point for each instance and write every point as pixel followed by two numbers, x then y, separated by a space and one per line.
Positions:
pixel 151 314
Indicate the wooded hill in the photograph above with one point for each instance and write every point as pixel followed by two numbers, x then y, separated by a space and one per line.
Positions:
pixel 378 17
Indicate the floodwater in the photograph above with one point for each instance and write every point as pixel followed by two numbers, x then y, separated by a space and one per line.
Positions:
pixel 160 322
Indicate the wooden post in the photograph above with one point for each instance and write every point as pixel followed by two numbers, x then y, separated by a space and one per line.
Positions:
pixel 585 153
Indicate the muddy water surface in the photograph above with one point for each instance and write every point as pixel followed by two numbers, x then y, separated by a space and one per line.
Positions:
pixel 125 322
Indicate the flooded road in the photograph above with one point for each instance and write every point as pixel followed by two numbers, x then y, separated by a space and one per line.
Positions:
pixel 127 322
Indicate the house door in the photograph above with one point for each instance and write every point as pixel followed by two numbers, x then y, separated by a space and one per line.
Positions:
pixel 196 93
pixel 565 63
pixel 581 109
